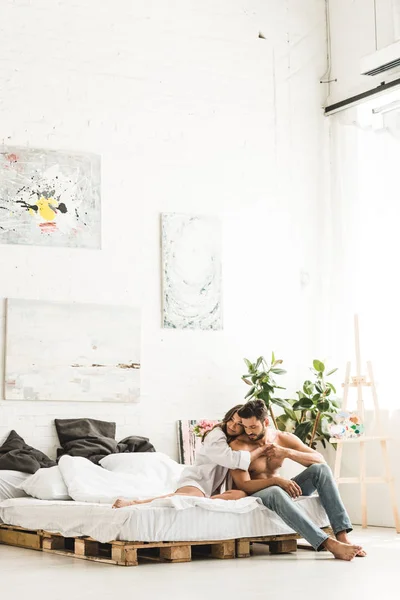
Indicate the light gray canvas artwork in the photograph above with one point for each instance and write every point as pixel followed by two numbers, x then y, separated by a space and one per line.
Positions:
pixel 191 267
pixel 78 352
pixel 49 198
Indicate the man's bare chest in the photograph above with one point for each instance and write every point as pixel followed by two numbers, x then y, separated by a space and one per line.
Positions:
pixel 264 465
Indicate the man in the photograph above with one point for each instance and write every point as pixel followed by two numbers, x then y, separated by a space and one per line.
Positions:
pixel 263 481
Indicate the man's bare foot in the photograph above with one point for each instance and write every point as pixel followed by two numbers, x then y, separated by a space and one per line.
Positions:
pixel 344 538
pixel 340 550
pixel 121 503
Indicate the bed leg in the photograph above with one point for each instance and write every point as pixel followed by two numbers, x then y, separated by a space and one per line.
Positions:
pixel 283 546
pixel 53 543
pixel 124 555
pixel 242 548
pixel 224 550
pixel 176 553
pixel 83 547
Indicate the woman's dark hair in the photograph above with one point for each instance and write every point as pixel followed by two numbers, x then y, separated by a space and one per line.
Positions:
pixel 227 417
pixel 253 408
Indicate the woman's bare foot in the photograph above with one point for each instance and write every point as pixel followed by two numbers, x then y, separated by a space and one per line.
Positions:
pixel 340 550
pixel 344 538
pixel 121 503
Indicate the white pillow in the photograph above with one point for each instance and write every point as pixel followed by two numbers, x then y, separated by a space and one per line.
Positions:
pixel 87 482
pixel 149 465
pixel 46 484
pixel 9 484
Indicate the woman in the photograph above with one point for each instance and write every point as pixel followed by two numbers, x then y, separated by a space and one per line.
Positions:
pixel 213 461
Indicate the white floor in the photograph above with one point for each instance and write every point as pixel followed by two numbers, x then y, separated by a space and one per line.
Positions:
pixel 26 574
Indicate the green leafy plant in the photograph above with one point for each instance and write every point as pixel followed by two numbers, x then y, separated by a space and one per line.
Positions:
pixel 311 414
pixel 262 384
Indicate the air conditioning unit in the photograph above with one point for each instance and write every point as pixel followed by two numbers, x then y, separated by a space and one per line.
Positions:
pixel 386 60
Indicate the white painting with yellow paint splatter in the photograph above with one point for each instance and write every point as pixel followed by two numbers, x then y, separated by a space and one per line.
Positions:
pixel 49 198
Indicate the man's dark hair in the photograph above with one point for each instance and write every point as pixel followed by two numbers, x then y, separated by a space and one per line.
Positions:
pixel 254 408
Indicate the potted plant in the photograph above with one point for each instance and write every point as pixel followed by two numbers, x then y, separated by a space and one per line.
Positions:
pixel 262 384
pixel 311 414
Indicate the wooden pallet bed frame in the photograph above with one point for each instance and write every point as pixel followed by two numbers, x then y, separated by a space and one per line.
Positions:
pixel 127 554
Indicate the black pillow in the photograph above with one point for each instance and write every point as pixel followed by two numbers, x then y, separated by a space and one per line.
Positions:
pixel 16 455
pixel 94 439
pixel 88 438
pixel 69 430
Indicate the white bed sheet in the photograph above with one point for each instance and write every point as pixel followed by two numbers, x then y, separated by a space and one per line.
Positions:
pixel 172 519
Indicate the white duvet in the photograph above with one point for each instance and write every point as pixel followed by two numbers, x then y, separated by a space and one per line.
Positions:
pixel 87 482
pixel 154 474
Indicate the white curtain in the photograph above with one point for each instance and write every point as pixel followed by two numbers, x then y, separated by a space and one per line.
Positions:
pixel 362 239
pixel 396 18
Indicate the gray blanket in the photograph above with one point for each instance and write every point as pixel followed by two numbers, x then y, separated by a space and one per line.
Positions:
pixel 16 455
pixel 95 439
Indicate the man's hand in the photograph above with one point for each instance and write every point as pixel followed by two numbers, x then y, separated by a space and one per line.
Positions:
pixel 291 487
pixel 274 451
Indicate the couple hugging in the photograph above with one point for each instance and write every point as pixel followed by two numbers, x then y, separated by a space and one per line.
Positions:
pixel 243 445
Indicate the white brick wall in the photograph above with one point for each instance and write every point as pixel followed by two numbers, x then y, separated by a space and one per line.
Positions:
pixel 191 112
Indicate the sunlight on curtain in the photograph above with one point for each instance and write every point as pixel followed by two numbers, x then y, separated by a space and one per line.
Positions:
pixel 362 263
pixel 396 18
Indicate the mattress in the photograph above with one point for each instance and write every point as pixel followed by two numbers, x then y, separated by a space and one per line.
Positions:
pixel 170 519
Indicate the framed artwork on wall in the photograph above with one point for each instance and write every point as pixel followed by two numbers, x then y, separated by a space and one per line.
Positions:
pixel 191 272
pixel 70 351
pixel 49 198
pixel 190 434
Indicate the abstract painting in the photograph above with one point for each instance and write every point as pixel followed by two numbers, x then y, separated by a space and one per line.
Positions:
pixel 191 267
pixel 49 198
pixel 190 434
pixel 78 352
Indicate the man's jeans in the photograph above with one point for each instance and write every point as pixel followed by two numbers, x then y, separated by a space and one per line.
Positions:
pixel 316 477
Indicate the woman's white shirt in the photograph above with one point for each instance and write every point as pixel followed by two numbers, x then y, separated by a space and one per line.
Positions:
pixel 213 461
pixel 217 449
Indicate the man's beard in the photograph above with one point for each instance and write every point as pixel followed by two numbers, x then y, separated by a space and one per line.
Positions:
pixel 259 437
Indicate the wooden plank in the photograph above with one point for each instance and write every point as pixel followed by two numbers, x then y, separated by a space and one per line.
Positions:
pixel 363 485
pixel 169 544
pixel 272 538
pixel 22 539
pixel 51 534
pixel 18 528
pixel 72 555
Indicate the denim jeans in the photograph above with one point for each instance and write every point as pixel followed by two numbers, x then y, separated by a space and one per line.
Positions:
pixel 316 477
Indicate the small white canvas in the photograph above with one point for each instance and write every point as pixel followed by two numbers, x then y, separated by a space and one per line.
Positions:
pixel 79 352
